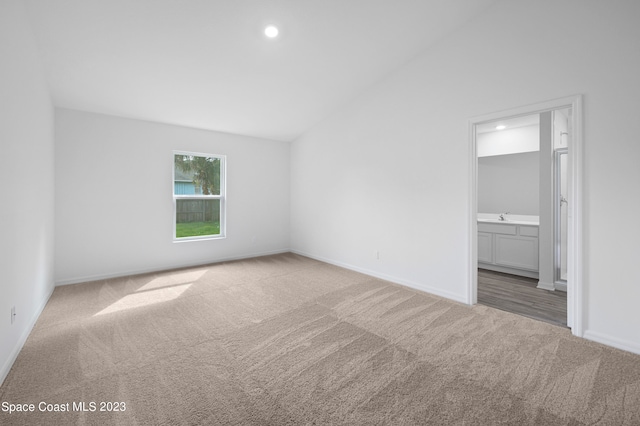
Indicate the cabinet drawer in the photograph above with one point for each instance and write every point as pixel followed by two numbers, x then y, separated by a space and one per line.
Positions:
pixel 528 231
pixel 495 228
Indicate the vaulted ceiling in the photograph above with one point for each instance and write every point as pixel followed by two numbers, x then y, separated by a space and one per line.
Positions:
pixel 207 63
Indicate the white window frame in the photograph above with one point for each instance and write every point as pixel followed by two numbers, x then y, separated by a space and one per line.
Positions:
pixel 222 197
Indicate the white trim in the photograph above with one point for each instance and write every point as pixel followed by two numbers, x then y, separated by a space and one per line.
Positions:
pixel 560 286
pixel 575 299
pixel 90 278
pixel 406 283
pixel 4 372
pixel 546 286
pixel 575 269
pixel 199 197
pixel 605 339
pixel 199 238
pixel 472 288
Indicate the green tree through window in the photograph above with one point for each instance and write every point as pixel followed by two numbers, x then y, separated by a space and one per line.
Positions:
pixel 205 171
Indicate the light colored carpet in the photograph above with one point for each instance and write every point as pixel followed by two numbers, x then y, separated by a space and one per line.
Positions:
pixel 288 340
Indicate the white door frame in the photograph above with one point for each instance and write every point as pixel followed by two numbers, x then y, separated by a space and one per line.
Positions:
pixel 575 293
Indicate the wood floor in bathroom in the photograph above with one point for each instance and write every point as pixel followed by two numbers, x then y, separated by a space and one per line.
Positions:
pixel 519 295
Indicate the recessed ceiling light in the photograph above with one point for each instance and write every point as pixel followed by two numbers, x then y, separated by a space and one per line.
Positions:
pixel 271 31
pixel 501 127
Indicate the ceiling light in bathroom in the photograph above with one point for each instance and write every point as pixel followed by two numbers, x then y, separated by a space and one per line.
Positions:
pixel 501 127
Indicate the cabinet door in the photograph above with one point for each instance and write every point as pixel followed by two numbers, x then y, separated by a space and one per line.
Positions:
pixel 516 252
pixel 485 247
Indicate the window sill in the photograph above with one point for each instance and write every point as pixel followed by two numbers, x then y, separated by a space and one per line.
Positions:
pixel 203 238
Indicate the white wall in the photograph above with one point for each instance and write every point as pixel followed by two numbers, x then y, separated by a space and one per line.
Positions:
pixel 26 173
pixel 509 141
pixel 390 171
pixel 509 183
pixel 114 205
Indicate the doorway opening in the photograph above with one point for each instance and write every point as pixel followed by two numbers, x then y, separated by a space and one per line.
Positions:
pixel 526 214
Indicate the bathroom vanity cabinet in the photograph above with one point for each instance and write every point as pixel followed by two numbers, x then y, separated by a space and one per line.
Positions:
pixel 508 247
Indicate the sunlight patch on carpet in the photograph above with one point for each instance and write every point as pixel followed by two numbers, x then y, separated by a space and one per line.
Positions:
pixel 173 279
pixel 146 298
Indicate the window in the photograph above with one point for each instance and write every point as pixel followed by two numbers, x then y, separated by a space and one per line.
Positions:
pixel 198 196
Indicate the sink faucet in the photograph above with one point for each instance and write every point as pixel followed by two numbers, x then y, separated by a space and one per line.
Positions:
pixel 502 216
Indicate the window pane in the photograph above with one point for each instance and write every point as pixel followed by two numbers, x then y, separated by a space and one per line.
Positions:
pixel 197 218
pixel 195 175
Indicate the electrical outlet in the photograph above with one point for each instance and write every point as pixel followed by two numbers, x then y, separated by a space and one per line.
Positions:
pixel 13 314
pixel 377 254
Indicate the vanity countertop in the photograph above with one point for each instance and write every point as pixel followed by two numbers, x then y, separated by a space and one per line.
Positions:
pixel 513 219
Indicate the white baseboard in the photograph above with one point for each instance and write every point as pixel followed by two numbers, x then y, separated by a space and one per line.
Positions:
pixel 625 345
pixel 416 286
pixel 546 286
pixel 561 286
pixel 99 277
pixel 4 372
